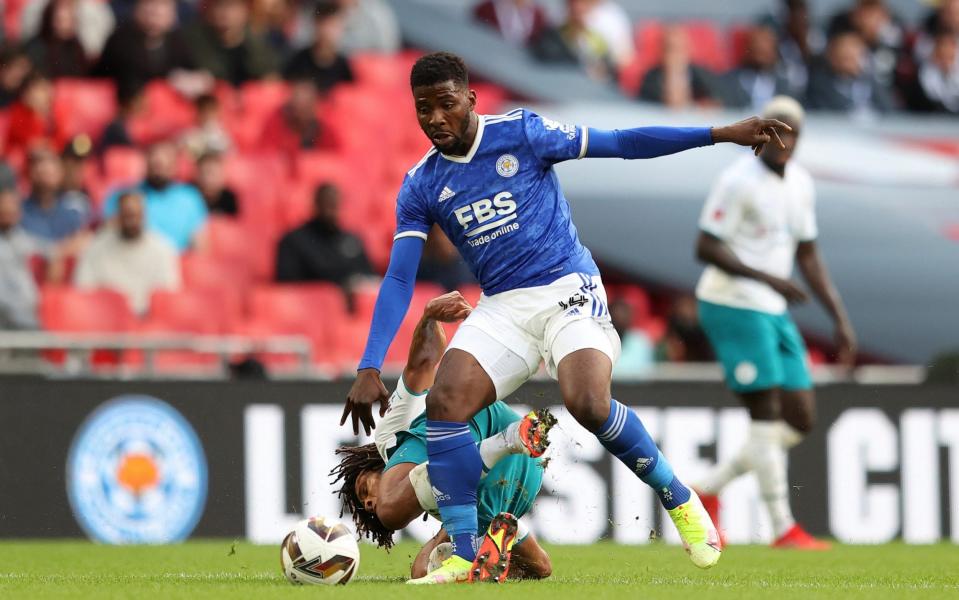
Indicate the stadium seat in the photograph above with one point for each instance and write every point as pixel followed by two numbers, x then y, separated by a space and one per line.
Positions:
pixel 379 71
pixel 206 272
pixel 317 310
pixel 707 45
pixel 84 105
pixel 205 311
pixel 123 166
pixel 65 309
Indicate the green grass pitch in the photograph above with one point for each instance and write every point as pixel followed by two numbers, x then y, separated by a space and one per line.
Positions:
pixel 223 569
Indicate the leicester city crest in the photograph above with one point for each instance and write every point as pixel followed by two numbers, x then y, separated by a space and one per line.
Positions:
pixel 507 165
pixel 136 473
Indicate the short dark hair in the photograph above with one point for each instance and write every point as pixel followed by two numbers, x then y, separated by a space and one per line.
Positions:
pixel 356 460
pixel 324 9
pixel 439 67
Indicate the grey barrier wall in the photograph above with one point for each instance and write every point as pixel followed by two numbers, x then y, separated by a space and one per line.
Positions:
pixel 161 461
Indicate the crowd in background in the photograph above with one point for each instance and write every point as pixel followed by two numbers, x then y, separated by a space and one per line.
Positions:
pixel 863 60
pixel 55 230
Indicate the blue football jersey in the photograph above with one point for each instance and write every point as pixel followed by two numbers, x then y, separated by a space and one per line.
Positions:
pixel 501 205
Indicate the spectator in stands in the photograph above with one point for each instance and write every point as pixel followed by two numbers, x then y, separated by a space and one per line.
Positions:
pixel 211 181
pixel 149 47
pixel 18 291
pixel 319 250
pixel 15 68
pixel 131 101
pixel 442 263
pixel 56 50
pixel 270 19
pixel 32 119
pixel 882 34
pixel 842 82
pixel 124 9
pixel 174 210
pixel 125 256
pixel 519 22
pixel 74 161
pixel 8 179
pixel 677 82
pixel 685 340
pixel 370 27
pixel 636 356
pixel 760 76
pixel 799 40
pixel 93 22
pixel 943 20
pixel 608 19
pixel 209 134
pixel 224 45
pixel 574 42
pixel 49 213
pixel 296 125
pixel 323 61
pixel 937 84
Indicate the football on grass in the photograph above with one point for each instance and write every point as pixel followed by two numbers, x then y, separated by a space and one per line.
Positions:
pixel 320 550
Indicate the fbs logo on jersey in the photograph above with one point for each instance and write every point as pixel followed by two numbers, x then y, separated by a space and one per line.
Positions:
pixel 507 165
pixel 483 211
pixel 446 194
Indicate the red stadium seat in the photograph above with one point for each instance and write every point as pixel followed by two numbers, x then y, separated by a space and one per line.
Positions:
pixel 380 71
pixel 707 45
pixel 84 105
pixel 66 309
pixel 123 166
pixel 317 310
pixel 205 272
pixel 196 311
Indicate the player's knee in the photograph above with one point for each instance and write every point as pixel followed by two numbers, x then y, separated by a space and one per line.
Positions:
pixel 447 402
pixel 802 421
pixel 543 568
pixel 589 407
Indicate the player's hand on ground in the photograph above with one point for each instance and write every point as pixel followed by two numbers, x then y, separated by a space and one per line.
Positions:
pixel 367 390
pixel 788 290
pixel 448 308
pixel 753 132
pixel 846 345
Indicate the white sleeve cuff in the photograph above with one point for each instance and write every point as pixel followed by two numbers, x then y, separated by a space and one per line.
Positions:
pixel 404 234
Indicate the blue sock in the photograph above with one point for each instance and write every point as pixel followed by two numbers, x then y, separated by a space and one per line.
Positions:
pixel 625 437
pixel 455 468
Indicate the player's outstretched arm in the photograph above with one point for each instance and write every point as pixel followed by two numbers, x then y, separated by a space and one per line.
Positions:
pixel 650 142
pixel 712 250
pixel 391 306
pixel 814 271
pixel 429 339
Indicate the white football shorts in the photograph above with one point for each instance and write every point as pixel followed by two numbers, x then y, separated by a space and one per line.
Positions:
pixel 511 332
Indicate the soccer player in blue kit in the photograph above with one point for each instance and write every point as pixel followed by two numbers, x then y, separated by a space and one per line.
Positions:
pixel 489 183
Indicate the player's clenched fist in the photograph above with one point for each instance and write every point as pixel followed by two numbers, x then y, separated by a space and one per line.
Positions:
pixel 367 390
pixel 753 132
pixel 448 308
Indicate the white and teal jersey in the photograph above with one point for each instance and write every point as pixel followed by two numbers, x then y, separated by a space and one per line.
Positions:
pixel 761 217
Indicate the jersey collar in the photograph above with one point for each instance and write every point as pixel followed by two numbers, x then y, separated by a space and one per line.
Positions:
pixel 476 143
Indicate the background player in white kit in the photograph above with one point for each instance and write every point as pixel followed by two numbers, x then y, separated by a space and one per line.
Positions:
pixel 760 219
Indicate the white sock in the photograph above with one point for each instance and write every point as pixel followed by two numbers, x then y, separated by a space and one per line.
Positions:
pixel 789 436
pixel 493 449
pixel 769 462
pixel 725 472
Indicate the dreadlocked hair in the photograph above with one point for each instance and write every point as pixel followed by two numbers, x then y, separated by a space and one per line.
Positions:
pixel 355 460
pixel 439 67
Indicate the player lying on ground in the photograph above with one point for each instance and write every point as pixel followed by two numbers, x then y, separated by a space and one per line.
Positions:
pixel 758 220
pixel 489 184
pixel 386 486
